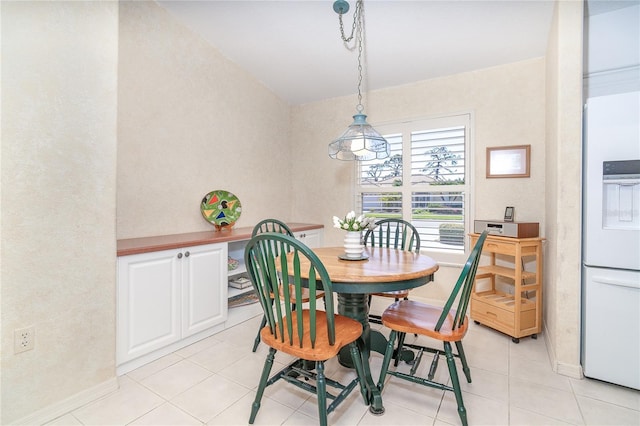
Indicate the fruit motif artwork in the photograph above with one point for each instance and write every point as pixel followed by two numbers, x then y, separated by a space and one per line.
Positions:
pixel 221 208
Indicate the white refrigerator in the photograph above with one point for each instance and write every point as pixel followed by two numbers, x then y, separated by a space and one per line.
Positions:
pixel 611 240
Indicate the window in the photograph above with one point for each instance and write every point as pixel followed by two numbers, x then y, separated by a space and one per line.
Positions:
pixel 434 194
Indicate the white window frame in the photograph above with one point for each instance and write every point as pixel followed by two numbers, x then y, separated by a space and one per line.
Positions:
pixel 406 127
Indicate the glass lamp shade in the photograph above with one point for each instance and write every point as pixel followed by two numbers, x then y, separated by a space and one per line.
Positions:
pixel 359 142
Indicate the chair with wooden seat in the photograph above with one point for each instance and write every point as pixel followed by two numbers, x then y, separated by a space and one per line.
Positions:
pixel 447 324
pixel 277 264
pixel 397 234
pixel 275 225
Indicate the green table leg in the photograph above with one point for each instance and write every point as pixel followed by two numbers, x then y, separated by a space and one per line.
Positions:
pixel 356 306
pixel 379 344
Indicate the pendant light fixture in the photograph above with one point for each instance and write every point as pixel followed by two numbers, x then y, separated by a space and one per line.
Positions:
pixel 360 141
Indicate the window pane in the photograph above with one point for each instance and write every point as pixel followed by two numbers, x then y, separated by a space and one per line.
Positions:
pixel 437 156
pixel 433 184
pixel 387 172
pixel 382 205
pixel 439 218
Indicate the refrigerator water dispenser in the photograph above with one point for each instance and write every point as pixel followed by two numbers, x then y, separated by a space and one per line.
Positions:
pixel 621 194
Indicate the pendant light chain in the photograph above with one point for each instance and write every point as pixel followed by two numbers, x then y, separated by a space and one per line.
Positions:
pixel 356 15
pixel 360 141
pixel 356 29
pixel 359 107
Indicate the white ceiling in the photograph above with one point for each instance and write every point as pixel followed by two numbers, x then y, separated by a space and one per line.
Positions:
pixel 294 47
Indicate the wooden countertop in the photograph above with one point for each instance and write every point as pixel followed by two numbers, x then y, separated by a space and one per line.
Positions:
pixel 166 242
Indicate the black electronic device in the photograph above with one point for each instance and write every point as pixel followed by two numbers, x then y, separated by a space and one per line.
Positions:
pixel 509 212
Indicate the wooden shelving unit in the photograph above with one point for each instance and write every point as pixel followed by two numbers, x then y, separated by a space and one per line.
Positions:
pixel 507 294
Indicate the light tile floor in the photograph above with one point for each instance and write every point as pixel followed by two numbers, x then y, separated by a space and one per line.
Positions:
pixel 213 382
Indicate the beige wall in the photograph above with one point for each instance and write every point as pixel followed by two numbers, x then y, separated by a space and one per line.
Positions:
pixel 563 189
pixel 508 107
pixel 189 122
pixel 58 176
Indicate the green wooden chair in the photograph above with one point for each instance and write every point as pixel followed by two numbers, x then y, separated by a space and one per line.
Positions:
pixel 397 234
pixel 275 225
pixel 271 225
pixel 275 263
pixel 446 324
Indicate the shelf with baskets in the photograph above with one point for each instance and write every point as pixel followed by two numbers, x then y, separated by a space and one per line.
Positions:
pixel 240 293
pixel 242 297
pixel 507 294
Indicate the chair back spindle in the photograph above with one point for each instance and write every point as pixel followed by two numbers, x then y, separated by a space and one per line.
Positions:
pixel 275 262
pixel 393 233
pixel 271 225
pixel 396 234
pixel 463 287
pixel 277 226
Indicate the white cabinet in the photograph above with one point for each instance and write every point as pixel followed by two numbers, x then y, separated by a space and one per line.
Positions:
pixel 167 296
pixel 204 297
pixel 148 314
pixel 312 237
pixel 173 290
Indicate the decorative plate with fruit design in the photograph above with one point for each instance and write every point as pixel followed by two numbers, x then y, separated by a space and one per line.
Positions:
pixel 221 208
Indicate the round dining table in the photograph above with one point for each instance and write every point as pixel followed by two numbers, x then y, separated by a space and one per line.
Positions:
pixel 382 269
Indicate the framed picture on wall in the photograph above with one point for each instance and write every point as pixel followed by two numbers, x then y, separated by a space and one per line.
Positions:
pixel 509 161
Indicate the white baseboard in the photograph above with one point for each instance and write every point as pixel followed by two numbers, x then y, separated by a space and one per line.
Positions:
pixel 569 370
pixel 67 405
pixel 127 366
pixel 550 349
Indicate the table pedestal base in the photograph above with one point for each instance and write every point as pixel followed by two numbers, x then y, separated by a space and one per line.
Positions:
pixel 356 306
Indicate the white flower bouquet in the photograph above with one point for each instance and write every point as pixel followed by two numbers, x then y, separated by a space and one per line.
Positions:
pixel 353 223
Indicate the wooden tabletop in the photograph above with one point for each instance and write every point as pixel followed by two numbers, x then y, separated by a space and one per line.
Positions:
pixel 384 270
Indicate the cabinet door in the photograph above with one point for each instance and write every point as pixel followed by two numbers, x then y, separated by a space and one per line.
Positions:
pixel 312 238
pixel 204 287
pixel 148 308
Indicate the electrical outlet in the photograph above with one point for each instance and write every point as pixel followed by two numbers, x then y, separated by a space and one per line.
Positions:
pixel 24 339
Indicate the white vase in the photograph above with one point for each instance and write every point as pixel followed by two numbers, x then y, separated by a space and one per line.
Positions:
pixel 353 246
